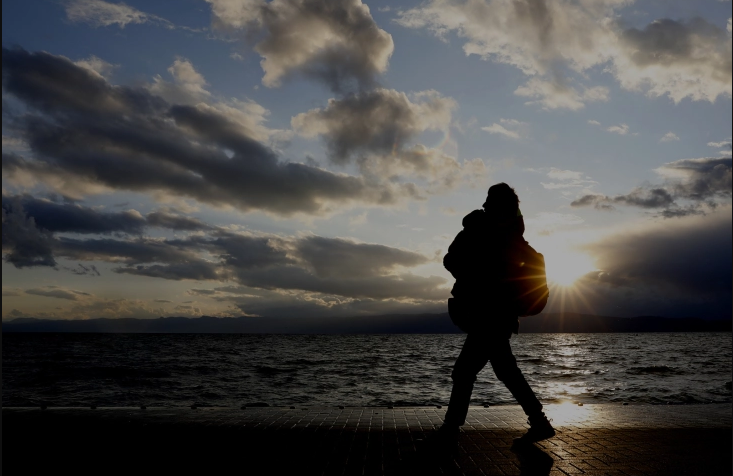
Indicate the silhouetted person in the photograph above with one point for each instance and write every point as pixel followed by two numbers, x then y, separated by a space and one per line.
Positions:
pixel 479 260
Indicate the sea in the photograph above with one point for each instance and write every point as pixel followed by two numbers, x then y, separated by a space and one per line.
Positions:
pixel 353 370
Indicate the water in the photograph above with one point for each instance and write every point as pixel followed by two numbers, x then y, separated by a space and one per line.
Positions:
pixel 357 370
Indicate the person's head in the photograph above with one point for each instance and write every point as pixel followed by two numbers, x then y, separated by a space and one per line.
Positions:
pixel 502 201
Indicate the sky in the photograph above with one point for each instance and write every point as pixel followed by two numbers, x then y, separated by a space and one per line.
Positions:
pixel 316 158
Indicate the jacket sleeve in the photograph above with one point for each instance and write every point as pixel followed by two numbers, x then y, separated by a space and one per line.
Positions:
pixel 453 260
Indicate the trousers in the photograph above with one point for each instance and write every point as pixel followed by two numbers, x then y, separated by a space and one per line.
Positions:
pixel 478 350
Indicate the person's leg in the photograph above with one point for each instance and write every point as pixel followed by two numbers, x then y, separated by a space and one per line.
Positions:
pixel 473 358
pixel 506 369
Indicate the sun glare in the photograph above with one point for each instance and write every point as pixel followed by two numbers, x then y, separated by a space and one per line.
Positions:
pixel 564 267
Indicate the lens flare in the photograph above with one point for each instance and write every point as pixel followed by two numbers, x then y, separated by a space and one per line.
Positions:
pixel 565 267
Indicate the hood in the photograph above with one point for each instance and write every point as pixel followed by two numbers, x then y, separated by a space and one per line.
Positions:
pixel 479 220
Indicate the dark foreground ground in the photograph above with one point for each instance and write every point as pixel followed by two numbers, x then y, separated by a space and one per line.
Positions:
pixel 593 439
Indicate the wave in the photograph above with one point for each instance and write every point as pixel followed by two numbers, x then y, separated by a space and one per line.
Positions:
pixel 654 369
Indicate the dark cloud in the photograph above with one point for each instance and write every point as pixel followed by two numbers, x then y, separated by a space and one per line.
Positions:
pixel 82 270
pixel 86 135
pixel 336 267
pixel 380 121
pixel 679 268
pixel 321 265
pixel 130 251
pixel 70 217
pixel 377 130
pixel 704 178
pixel 329 257
pixel 24 244
pixel 692 43
pixel 197 270
pixel 334 41
pixel 175 222
pixel 700 181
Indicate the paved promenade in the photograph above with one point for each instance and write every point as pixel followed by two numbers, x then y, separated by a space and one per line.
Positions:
pixel 592 439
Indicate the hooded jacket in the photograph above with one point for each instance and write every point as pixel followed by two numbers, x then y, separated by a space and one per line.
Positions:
pixel 479 259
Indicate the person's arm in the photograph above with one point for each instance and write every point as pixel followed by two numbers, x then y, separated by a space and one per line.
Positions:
pixel 453 261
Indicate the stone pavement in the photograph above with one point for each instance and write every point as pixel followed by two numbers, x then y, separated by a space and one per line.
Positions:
pixel 592 439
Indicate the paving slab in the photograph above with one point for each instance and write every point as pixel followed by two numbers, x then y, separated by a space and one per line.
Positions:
pixel 602 439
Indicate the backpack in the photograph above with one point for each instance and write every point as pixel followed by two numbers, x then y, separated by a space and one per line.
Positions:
pixel 529 280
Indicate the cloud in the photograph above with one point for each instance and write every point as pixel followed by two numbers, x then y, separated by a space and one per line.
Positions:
pixel 699 179
pixel 69 217
pixel 377 130
pixel 725 145
pixel 73 218
pixel 699 182
pixel 554 42
pixel 87 136
pixel 82 270
pixel 322 268
pixel 58 292
pixel 673 268
pixel 669 137
pixel 594 122
pixel 336 42
pixel 12 292
pixel 24 244
pixel 100 13
pixel 188 86
pixel 621 129
pixel 377 121
pixel 501 128
pixel 163 219
pixel 560 95
pixel 97 66
pixel 681 59
pixel 566 179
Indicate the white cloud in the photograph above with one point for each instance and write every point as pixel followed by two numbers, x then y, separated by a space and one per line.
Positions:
pixel 100 13
pixel 553 41
pixel 621 129
pixel 188 86
pixel 565 179
pixel 97 66
pixel 334 42
pixel 724 145
pixel 594 122
pixel 559 174
pixel 669 137
pixel 560 95
pixel 506 127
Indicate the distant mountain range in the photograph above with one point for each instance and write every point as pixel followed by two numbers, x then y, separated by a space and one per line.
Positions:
pixel 386 324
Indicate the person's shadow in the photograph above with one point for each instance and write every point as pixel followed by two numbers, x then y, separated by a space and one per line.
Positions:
pixel 532 460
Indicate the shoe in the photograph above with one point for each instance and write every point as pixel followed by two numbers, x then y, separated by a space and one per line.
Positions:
pixel 539 429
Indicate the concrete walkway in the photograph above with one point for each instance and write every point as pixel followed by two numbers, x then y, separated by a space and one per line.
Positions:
pixel 592 439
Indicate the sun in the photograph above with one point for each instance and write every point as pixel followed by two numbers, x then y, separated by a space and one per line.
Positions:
pixel 565 266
